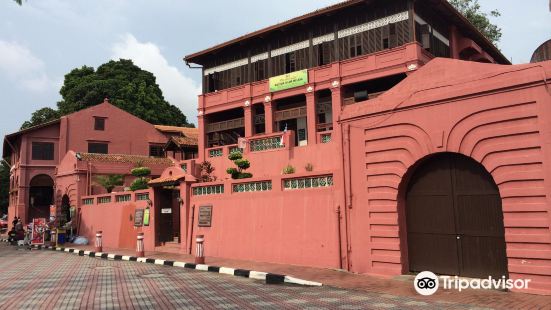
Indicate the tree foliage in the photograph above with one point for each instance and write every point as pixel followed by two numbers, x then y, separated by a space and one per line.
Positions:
pixel 472 11
pixel 109 182
pixel 125 84
pixel 41 116
pixel 4 186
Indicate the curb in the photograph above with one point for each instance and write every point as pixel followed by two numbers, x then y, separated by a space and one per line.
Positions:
pixel 269 278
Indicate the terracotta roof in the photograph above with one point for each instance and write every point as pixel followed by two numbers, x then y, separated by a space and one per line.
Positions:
pixel 172 180
pixel 186 131
pixel 441 5
pixel 128 159
pixel 184 141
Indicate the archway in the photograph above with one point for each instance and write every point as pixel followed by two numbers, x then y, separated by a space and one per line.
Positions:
pixel 454 219
pixel 41 194
pixel 65 209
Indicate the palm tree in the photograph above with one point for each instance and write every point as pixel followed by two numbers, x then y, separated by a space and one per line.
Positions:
pixel 110 181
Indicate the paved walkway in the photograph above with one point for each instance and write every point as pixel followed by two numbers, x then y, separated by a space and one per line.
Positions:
pixel 397 287
pixel 40 279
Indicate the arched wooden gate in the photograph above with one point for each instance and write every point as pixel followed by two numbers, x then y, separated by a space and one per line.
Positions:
pixel 454 219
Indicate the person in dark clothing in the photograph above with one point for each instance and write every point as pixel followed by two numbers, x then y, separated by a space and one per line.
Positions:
pixel 14 222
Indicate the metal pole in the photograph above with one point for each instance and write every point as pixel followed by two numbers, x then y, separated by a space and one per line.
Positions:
pixel 139 246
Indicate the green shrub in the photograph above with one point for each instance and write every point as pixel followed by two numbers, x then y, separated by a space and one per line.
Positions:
pixel 139 183
pixel 109 182
pixel 140 171
pixel 242 163
pixel 231 170
pixel 243 175
pixel 288 169
pixel 235 155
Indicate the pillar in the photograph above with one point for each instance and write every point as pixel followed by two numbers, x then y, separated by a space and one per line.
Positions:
pixel 201 140
pixel 454 42
pixel 311 117
pixel 336 104
pixel 268 117
pixel 248 120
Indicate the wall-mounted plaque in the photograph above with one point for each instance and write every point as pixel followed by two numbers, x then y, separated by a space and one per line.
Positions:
pixel 146 217
pixel 138 217
pixel 166 210
pixel 205 216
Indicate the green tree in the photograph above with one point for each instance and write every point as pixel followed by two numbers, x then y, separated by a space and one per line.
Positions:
pixel 41 116
pixel 471 10
pixel 128 87
pixel 109 182
pixel 4 186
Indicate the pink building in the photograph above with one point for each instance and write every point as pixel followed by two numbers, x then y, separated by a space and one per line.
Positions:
pixel 45 169
pixel 384 138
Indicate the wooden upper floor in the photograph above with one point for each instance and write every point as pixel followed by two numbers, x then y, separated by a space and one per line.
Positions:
pixel 339 32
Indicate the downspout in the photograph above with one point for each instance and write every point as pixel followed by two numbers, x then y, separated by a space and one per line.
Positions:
pixel 339 234
pixel 190 237
pixel 346 193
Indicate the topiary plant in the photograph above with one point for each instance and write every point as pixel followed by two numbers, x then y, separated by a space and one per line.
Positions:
pixel 241 163
pixel 140 171
pixel 141 181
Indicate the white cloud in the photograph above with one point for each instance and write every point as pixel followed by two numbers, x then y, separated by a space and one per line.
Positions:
pixel 20 66
pixel 177 88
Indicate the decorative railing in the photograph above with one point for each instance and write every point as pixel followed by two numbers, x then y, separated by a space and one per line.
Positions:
pixel 104 199
pixel 226 125
pixel 208 190
pixel 217 152
pixel 88 201
pixel 235 148
pixel 308 182
pixel 142 196
pixel 290 114
pixel 263 144
pixel 123 198
pixel 324 127
pixel 260 186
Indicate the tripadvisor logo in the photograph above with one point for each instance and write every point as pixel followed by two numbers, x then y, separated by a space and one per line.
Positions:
pixel 426 283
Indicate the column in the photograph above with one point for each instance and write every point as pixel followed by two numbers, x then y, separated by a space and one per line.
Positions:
pixel 311 117
pixel 248 113
pixel 268 117
pixel 336 105
pixel 201 141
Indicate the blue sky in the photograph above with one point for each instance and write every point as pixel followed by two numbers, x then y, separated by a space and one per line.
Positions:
pixel 43 40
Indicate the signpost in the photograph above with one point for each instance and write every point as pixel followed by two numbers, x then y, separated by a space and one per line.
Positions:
pixel 205 216
pixel 138 217
pixel 289 80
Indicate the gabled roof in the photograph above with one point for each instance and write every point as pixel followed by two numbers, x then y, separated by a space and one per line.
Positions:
pixel 186 131
pixel 10 137
pixel 441 5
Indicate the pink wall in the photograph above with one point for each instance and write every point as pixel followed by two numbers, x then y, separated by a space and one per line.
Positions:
pixel 118 227
pixel 489 114
pixel 125 133
pixel 293 227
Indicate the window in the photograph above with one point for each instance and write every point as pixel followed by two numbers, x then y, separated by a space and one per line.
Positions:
pixel 324 53
pixel 98 148
pixel 156 150
pixel 99 123
pixel 290 62
pixel 355 45
pixel 42 151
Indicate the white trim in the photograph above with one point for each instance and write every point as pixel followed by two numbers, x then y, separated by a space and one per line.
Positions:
pixel 179 264
pixel 290 48
pixel 159 262
pixel 289 279
pixel 381 22
pixel 126 257
pixel 141 259
pixel 258 57
pixel 86 252
pixel 322 39
pixel 230 65
pixel 111 256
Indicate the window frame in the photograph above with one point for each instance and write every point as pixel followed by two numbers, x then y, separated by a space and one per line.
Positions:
pixel 42 154
pixel 98 143
pixel 99 120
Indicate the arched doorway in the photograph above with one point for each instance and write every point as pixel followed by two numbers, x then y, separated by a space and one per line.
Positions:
pixel 65 209
pixel 454 219
pixel 41 194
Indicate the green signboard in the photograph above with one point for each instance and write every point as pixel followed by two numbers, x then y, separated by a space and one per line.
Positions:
pixel 289 80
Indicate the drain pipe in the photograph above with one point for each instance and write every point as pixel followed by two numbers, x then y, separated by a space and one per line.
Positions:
pixel 191 229
pixel 339 234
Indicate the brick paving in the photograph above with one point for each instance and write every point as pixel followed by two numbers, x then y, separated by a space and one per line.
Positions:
pixel 399 286
pixel 55 280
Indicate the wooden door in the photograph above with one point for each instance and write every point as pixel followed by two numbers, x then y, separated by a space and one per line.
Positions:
pixel 454 219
